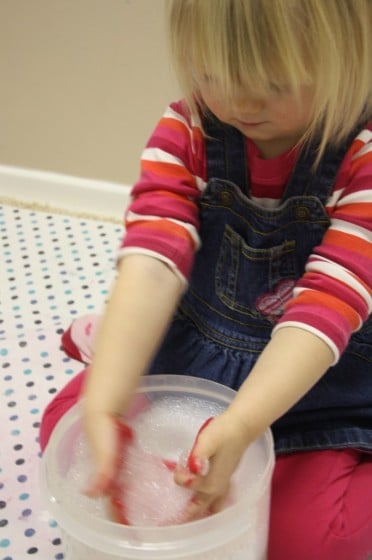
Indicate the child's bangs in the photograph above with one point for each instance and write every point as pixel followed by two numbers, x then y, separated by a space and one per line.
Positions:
pixel 235 45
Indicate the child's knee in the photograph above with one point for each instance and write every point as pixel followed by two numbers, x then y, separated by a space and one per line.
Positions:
pixel 321 513
pixel 61 403
pixel 305 536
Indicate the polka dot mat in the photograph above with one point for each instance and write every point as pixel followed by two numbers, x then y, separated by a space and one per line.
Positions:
pixel 53 268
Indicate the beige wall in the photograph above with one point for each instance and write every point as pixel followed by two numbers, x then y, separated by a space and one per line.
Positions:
pixel 83 82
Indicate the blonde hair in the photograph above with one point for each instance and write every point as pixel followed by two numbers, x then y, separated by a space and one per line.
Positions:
pixel 325 44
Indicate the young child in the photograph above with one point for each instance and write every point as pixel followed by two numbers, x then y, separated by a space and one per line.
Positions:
pixel 247 260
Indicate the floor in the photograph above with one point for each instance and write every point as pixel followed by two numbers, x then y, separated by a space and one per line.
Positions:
pixel 54 267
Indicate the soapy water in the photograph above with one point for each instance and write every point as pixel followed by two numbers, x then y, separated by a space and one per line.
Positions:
pixel 164 429
pixel 146 493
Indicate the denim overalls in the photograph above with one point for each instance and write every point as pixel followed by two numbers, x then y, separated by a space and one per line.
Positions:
pixel 246 268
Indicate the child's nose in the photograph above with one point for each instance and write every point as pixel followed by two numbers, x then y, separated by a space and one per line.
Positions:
pixel 248 105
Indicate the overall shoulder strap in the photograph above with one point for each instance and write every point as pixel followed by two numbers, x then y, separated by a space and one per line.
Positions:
pixel 226 152
pixel 307 182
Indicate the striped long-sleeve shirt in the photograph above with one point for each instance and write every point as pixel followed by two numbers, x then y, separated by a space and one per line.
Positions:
pixel 333 297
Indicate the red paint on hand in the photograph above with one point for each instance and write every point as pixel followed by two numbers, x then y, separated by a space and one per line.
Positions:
pixel 171 465
pixel 118 508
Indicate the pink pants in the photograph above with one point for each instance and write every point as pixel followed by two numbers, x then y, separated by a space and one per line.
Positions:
pixel 321 500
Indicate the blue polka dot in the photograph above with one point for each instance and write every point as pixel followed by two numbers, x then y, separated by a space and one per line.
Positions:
pixel 24 496
pixel 4 543
pixel 29 532
pixel 3 352
pixel 34 411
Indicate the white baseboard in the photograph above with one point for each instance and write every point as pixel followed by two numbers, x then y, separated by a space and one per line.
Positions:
pixel 64 192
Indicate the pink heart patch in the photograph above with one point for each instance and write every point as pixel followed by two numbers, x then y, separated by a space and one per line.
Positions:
pixel 272 303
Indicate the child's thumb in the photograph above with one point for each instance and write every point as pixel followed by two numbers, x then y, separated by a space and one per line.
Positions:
pixel 198 459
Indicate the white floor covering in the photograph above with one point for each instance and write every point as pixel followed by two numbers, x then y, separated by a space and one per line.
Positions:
pixel 54 267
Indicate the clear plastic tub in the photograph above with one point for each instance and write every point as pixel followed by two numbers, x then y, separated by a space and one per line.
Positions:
pixel 239 532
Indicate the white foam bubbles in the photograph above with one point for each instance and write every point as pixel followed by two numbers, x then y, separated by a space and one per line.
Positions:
pixel 164 428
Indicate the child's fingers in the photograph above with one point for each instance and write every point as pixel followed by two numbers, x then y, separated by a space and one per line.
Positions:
pixel 218 504
pixel 184 477
pixel 199 504
pixel 204 503
pixel 99 485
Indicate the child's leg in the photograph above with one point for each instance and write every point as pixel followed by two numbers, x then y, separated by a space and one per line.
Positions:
pixel 77 341
pixel 61 403
pixel 322 506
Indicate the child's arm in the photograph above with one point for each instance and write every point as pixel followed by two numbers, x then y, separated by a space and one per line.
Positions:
pixel 292 362
pixel 141 306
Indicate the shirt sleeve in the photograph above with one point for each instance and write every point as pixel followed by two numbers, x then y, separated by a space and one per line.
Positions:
pixel 163 217
pixel 333 298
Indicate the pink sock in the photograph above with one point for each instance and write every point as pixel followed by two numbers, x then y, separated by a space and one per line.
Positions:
pixel 78 340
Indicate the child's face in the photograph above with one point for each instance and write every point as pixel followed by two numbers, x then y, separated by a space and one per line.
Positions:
pixel 275 123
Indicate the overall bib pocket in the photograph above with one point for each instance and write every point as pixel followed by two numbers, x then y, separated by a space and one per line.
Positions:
pixel 250 279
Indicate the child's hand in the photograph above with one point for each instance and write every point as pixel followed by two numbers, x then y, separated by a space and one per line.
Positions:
pixel 222 443
pixel 104 439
